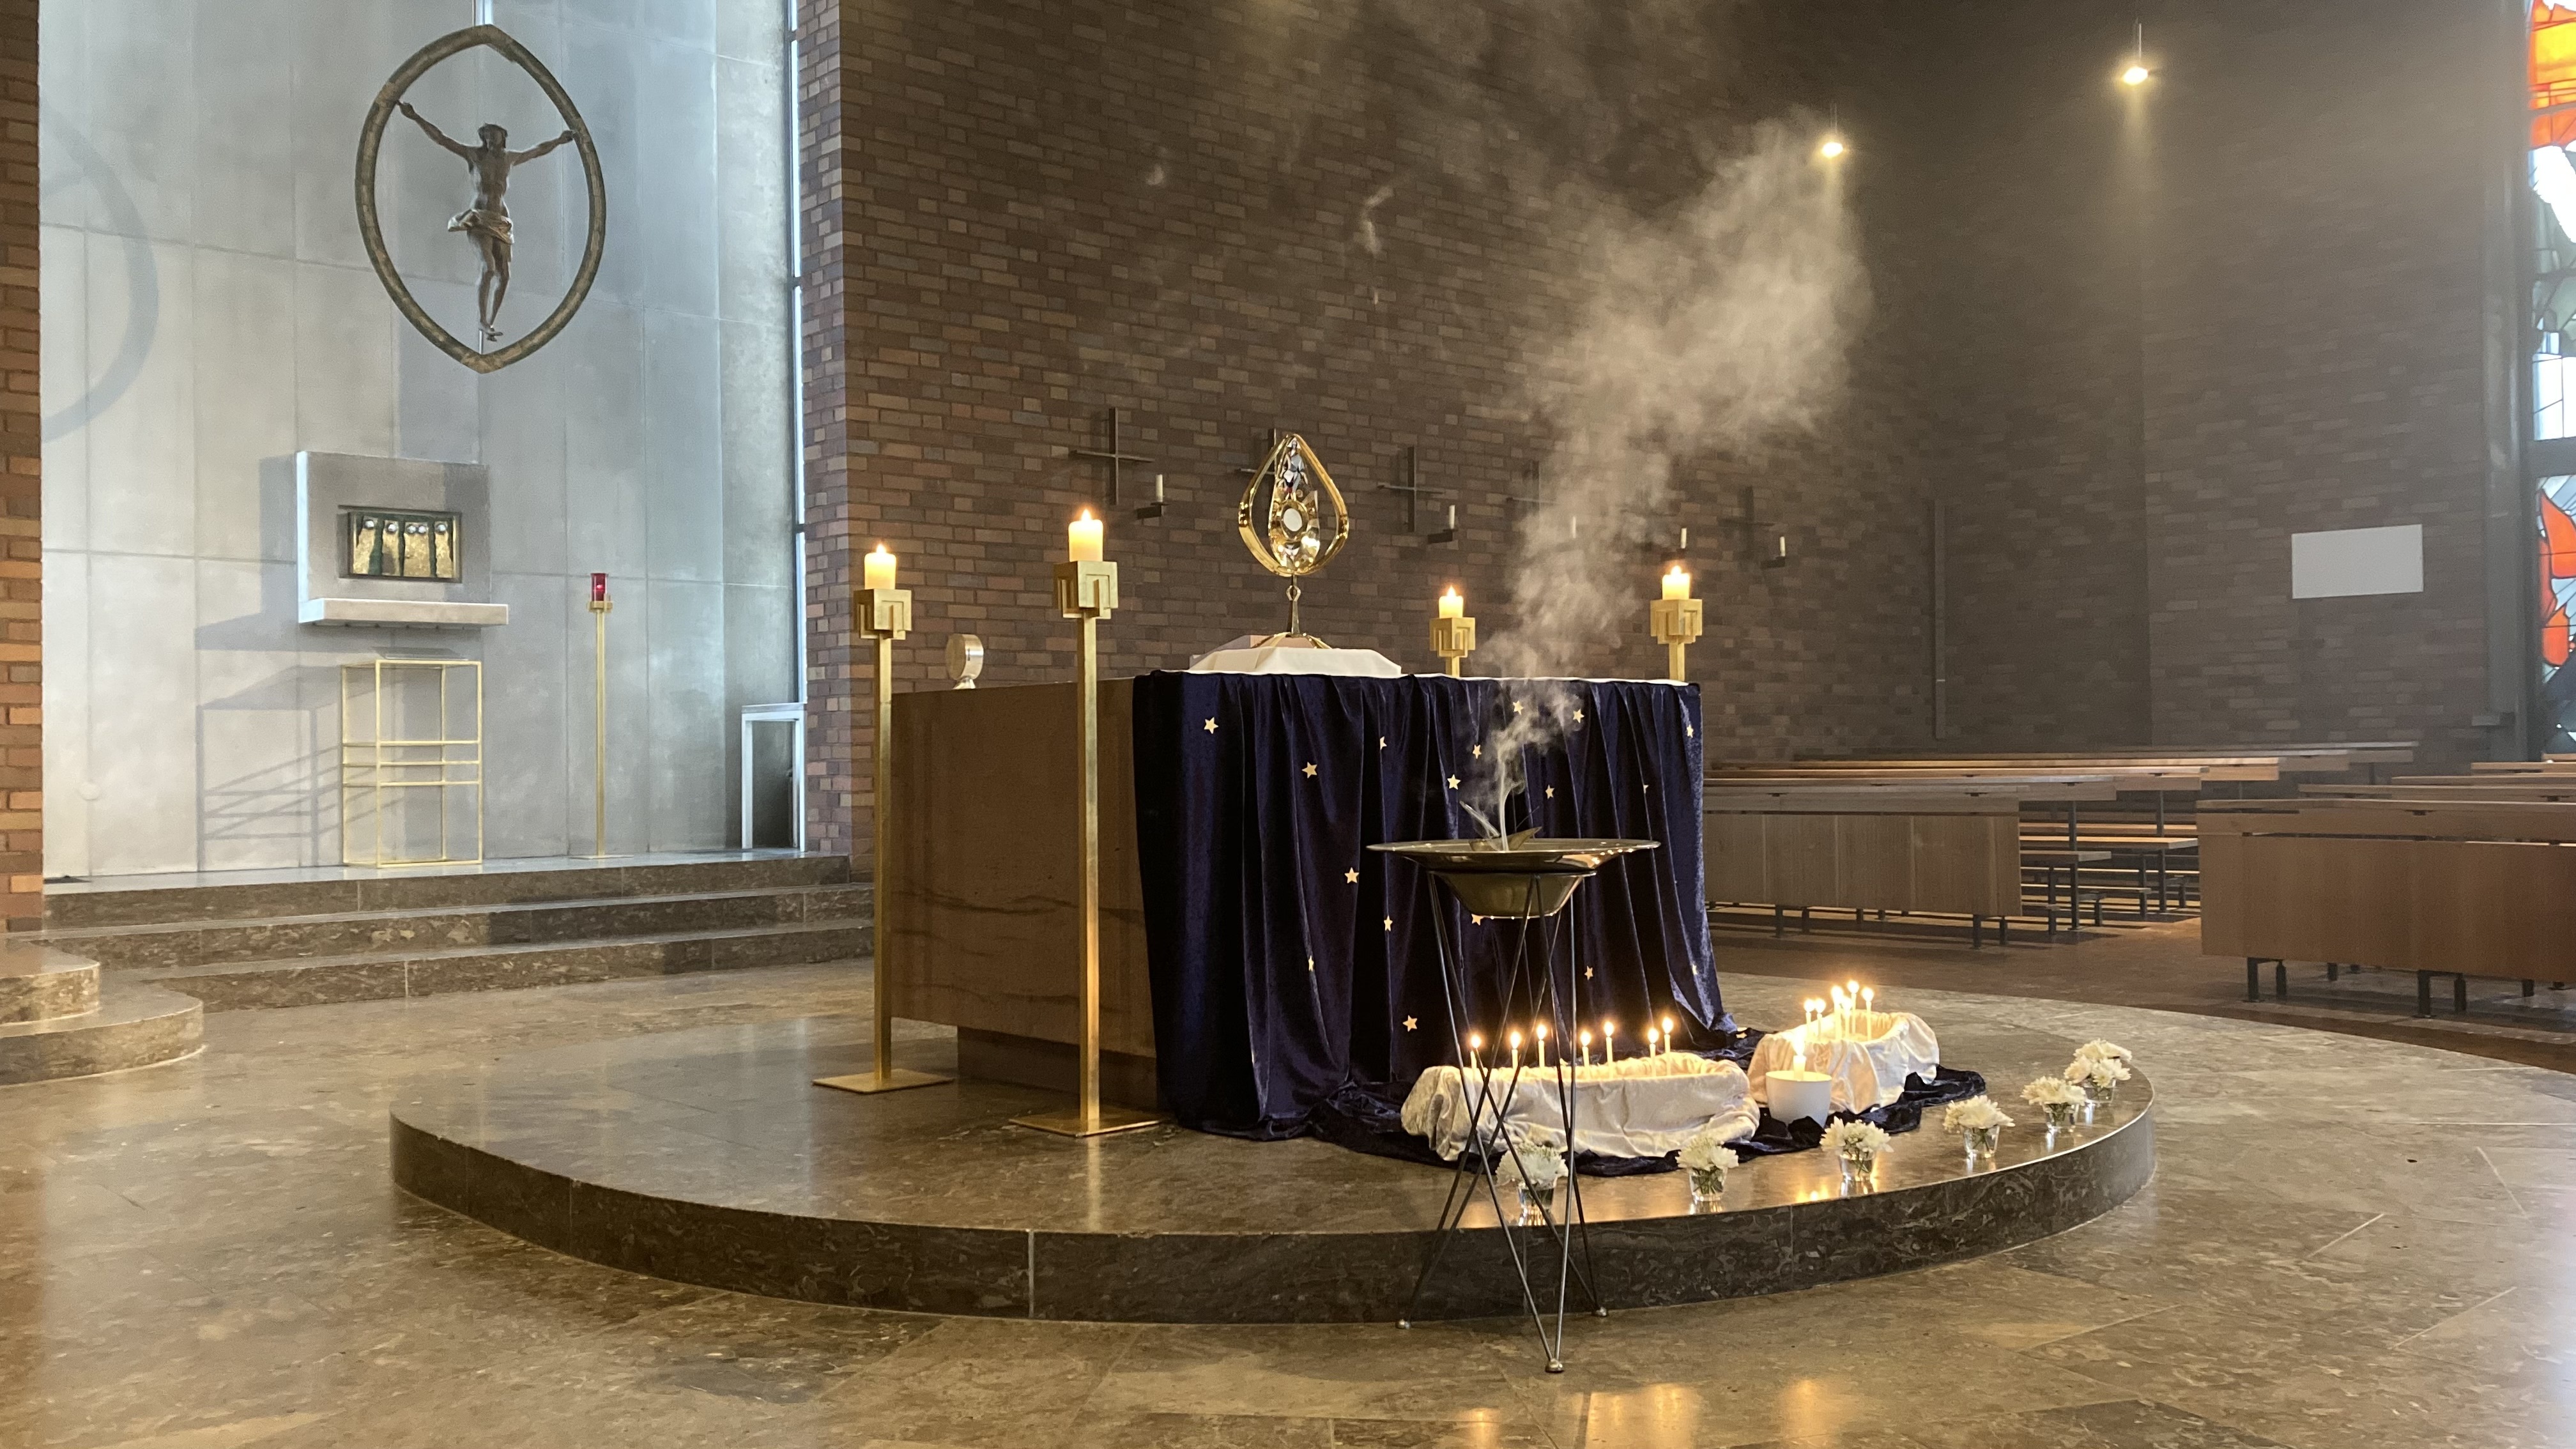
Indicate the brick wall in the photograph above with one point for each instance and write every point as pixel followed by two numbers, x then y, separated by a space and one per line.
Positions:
pixel 1021 214
pixel 2254 299
pixel 22 756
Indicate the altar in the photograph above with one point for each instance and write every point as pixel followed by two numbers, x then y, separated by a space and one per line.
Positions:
pixel 1257 960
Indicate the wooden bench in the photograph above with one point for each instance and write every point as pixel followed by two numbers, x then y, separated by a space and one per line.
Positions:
pixel 1912 842
pixel 2456 886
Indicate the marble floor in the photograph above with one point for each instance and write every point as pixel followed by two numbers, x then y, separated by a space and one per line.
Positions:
pixel 2347 1243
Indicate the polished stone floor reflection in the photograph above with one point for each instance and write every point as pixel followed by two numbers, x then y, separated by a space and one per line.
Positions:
pixel 2347 1243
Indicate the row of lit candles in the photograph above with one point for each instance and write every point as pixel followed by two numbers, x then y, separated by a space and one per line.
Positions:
pixel 1658 1041
pixel 1849 997
pixel 1084 541
pixel 1453 605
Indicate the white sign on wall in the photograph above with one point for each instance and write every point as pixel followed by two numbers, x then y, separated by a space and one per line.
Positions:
pixel 2343 562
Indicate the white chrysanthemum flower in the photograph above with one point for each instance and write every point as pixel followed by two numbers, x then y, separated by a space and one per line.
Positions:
pixel 1974 1114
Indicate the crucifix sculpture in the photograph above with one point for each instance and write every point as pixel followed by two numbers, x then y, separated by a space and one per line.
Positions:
pixel 487 221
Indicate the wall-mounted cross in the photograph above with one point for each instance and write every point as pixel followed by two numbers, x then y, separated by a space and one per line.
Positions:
pixel 1117 457
pixel 1414 492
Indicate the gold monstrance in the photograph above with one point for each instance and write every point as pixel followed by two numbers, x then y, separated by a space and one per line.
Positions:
pixel 1282 521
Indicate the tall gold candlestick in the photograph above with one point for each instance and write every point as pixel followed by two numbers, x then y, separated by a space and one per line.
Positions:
pixel 883 613
pixel 1086 590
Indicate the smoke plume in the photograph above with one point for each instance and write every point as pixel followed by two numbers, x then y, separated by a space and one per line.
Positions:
pixel 1707 331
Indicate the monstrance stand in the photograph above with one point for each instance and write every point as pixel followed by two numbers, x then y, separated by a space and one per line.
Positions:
pixel 1282 522
pixel 885 615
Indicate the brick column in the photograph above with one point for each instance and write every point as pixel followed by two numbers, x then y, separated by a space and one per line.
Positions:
pixel 22 746
pixel 836 783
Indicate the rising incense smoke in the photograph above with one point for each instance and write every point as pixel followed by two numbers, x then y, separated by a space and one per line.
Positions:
pixel 1708 331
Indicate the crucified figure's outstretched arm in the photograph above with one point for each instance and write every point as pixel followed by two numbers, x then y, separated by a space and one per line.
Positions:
pixel 435 134
pixel 533 152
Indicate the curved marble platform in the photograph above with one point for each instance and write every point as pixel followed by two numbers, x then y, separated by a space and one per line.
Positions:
pixel 705 1156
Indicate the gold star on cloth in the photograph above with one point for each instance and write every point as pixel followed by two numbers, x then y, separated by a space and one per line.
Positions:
pixel 1310 769
pixel 1310 965
pixel 1689 733
pixel 1516 706
pixel 1381 742
pixel 1210 726
pixel 1478 751
pixel 1453 782
pixel 1475 920
pixel 1587 973
pixel 1578 716
pixel 1411 1022
pixel 1390 923
pixel 1551 792
pixel 1351 877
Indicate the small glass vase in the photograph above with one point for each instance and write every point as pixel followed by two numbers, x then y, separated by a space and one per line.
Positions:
pixel 1860 1169
pixel 1538 1203
pixel 1981 1141
pixel 2061 1116
pixel 1706 1186
pixel 2098 1095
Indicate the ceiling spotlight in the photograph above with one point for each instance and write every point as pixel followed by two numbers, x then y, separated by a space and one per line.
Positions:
pixel 1833 147
pixel 2135 75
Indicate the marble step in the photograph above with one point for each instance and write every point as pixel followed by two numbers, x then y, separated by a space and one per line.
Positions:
pixel 132 1025
pixel 240 986
pixel 39 982
pixel 80 908
pixel 418 931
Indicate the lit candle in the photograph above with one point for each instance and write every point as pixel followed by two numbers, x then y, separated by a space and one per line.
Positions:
pixel 1609 1048
pixel 1475 1044
pixel 1867 995
pixel 1651 1048
pixel 1668 1033
pixel 1453 605
pixel 1583 1045
pixel 1677 584
pixel 1082 539
pixel 1516 1051
pixel 879 568
pixel 1539 1029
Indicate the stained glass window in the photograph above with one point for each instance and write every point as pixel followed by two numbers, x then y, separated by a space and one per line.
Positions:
pixel 2553 362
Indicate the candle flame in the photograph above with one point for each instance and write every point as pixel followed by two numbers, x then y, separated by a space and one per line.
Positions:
pixel 1086 517
pixel 1516 1039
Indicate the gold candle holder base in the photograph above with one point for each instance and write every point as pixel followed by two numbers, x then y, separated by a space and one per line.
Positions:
pixel 1070 1122
pixel 883 615
pixel 893 1079
pixel 1675 624
pixel 1453 640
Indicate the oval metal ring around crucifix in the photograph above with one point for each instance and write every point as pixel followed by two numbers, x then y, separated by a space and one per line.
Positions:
pixel 488 231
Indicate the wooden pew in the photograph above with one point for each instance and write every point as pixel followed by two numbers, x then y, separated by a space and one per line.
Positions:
pixel 2455 886
pixel 1917 842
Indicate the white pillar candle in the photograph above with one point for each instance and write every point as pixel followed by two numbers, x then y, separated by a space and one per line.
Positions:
pixel 1583 1046
pixel 1453 605
pixel 879 569
pixel 1609 1047
pixel 1539 1029
pixel 1677 584
pixel 1082 539
pixel 1516 1051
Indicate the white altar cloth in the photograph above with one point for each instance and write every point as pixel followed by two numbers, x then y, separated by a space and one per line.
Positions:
pixel 1642 1107
pixel 1243 656
pixel 1868 1067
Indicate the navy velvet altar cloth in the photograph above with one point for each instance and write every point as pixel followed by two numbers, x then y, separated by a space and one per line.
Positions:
pixel 1292 965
